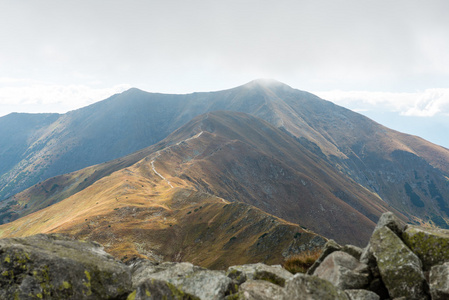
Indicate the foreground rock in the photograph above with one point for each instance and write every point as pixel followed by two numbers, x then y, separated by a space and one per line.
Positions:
pixel 398 263
pixel 54 267
pixel 344 271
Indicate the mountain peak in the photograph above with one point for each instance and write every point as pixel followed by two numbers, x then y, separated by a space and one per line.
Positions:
pixel 266 83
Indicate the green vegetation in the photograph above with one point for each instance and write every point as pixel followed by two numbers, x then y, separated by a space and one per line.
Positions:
pixel 416 200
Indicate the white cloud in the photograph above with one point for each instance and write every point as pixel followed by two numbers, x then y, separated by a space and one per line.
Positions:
pixel 428 103
pixel 24 95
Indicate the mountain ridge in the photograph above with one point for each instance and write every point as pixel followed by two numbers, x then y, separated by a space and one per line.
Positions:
pixel 404 171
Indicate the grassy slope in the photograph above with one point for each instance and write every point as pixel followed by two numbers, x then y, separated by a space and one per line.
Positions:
pixel 133 212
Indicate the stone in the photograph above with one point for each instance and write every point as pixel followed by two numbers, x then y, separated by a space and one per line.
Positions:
pixel 329 247
pixel 400 269
pixel 260 290
pixel 153 289
pixel 344 271
pixel 307 287
pixel 388 219
pixel 361 295
pixel 431 245
pixel 274 274
pixel 57 267
pixel 355 251
pixel 439 282
pixel 192 280
pixel 378 287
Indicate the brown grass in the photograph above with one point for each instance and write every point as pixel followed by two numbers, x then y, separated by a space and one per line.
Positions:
pixel 301 262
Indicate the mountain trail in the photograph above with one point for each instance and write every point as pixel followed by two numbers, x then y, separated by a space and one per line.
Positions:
pixel 158 154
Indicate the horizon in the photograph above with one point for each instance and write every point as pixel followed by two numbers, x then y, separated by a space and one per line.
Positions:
pixel 393 119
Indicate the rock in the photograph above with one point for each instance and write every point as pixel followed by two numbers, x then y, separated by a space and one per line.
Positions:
pixel 378 287
pixel 399 267
pixel 329 247
pixel 302 286
pixel 390 220
pixel 192 280
pixel 56 267
pixel 260 290
pixel 274 274
pixel 439 282
pixel 430 244
pixel 153 289
pixel 362 295
pixel 343 271
pixel 355 251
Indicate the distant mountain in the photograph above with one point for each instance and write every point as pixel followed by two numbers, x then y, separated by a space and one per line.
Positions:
pixel 404 171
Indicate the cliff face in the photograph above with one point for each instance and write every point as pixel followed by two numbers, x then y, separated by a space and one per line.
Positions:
pixel 410 262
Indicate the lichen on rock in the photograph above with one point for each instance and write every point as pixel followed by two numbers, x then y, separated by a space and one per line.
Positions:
pixel 430 244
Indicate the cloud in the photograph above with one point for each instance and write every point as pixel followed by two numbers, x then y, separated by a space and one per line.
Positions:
pixel 26 95
pixel 428 103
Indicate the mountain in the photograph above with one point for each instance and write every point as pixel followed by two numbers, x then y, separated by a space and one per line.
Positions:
pixel 155 207
pixel 231 155
pixel 358 157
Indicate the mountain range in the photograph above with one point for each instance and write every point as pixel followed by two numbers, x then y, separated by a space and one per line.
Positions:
pixel 263 147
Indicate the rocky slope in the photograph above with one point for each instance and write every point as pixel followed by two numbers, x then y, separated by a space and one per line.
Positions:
pixel 398 263
pixel 406 172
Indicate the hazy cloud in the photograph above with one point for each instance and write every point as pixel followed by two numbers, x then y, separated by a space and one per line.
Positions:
pixel 428 103
pixel 40 97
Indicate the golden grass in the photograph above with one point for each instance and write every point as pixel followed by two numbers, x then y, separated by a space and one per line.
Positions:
pixel 301 262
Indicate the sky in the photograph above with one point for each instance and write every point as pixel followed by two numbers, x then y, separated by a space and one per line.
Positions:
pixel 386 59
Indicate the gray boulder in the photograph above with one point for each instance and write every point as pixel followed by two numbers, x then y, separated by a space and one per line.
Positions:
pixel 185 277
pixel 399 267
pixel 302 286
pixel 56 267
pixel 430 244
pixel 388 219
pixel 153 289
pixel 329 247
pixel 344 271
pixel 260 290
pixel 274 274
pixel 361 295
pixel 439 282
pixel 355 251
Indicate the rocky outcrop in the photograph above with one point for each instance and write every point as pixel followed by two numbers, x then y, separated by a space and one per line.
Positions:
pixel 398 263
pixel 55 267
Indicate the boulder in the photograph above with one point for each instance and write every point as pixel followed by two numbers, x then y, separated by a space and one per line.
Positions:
pixel 56 267
pixel 307 287
pixel 388 219
pixel 399 267
pixel 343 271
pixel 329 247
pixel 260 290
pixel 361 295
pixel 439 282
pixel 153 289
pixel 430 244
pixel 185 277
pixel 274 274
pixel 355 251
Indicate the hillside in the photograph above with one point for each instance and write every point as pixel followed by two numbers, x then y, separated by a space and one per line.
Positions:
pixel 233 156
pixel 145 210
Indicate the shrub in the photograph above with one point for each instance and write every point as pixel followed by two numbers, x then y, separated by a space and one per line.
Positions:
pixel 299 263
